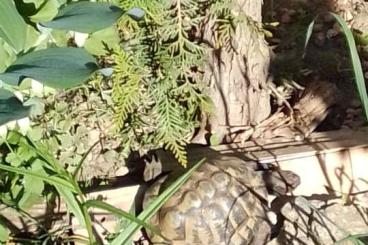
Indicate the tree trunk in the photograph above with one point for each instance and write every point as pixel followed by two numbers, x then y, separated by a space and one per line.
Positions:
pixel 236 75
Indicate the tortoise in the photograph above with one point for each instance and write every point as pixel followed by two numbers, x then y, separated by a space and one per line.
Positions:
pixel 224 201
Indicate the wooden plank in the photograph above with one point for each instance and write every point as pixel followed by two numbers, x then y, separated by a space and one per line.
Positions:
pixel 329 162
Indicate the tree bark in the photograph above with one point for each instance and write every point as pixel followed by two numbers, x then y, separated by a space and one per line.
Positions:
pixel 237 75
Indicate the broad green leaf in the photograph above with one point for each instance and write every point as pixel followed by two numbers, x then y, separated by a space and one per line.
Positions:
pixel 85 17
pixel 33 187
pixel 61 37
pixel 32 38
pixel 4 233
pixel 154 206
pixel 54 67
pixel 11 108
pixel 12 26
pixel 7 55
pixel 46 12
pixel 28 200
pixel 13 159
pixel 120 213
pixel 98 42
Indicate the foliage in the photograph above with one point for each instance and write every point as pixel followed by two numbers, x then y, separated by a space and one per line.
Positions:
pixel 29 52
pixel 355 60
pixel 157 91
pixel 57 66
pixel 33 161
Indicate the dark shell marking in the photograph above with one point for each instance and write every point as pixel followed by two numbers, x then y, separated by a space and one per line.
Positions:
pixel 220 204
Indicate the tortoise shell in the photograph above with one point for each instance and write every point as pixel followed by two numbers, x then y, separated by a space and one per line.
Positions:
pixel 222 203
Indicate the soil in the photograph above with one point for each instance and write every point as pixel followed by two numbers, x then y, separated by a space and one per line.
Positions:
pixel 326 58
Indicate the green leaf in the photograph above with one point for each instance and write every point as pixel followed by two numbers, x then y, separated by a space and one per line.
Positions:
pixel 55 67
pixel 37 3
pixel 11 108
pixel 357 66
pixel 14 159
pixel 72 204
pixel 13 28
pixel 85 17
pixel 154 206
pixel 97 42
pixel 120 213
pixel 47 11
pixel 4 233
pixel 52 180
pixel 7 55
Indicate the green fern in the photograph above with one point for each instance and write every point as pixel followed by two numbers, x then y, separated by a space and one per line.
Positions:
pixel 157 88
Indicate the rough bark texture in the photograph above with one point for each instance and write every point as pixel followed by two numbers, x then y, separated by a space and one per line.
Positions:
pixel 237 75
pixel 311 109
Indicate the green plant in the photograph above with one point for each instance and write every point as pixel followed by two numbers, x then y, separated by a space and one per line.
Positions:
pixel 29 54
pixel 358 239
pixel 29 50
pixel 39 168
pixel 355 60
pixel 158 93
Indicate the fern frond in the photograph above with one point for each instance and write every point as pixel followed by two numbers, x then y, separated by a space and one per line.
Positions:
pixel 158 91
pixel 127 86
pixel 171 128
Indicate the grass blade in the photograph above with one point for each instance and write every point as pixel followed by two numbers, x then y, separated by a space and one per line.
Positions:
pixel 52 180
pixel 155 205
pixel 355 60
pixel 357 66
pixel 120 213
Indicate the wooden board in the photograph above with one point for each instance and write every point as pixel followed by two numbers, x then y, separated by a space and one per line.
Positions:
pixel 334 162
